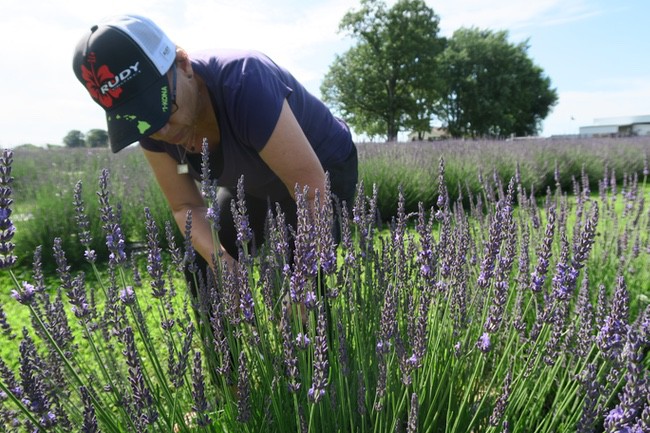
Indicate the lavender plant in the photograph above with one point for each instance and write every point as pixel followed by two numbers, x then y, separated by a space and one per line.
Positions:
pixel 500 319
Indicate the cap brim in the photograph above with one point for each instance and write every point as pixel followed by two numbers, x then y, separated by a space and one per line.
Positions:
pixel 139 117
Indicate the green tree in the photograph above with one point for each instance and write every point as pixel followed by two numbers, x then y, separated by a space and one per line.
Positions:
pixel 97 138
pixel 493 89
pixel 74 138
pixel 388 81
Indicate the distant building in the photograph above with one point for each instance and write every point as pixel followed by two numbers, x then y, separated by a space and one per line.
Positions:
pixel 434 134
pixel 617 127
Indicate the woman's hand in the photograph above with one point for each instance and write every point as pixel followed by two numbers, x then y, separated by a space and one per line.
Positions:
pixel 182 194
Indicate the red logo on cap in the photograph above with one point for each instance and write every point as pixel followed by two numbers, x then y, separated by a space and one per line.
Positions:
pixel 94 79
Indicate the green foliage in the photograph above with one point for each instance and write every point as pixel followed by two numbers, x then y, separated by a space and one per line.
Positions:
pixel 388 81
pixel 74 138
pixel 97 138
pixel 493 89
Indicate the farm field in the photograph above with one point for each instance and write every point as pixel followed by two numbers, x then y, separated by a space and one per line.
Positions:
pixel 483 286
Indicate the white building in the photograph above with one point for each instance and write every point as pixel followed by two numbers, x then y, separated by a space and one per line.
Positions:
pixel 617 126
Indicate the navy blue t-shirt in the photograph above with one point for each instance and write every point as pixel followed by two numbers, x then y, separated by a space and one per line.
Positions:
pixel 247 90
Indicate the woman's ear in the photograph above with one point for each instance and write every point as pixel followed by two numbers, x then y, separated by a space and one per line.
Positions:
pixel 183 61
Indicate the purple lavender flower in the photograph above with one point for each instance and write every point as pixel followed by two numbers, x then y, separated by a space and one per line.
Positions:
pixel 491 249
pixel 90 420
pixel 289 353
pixel 154 257
pixel 116 245
pixel 589 383
pixel 110 219
pixel 483 343
pixel 302 341
pixel 420 338
pixel 321 364
pixel 83 223
pixel 388 323
pixel 382 380
pixel 243 391
pixel 504 262
pixel 58 325
pixel 412 426
pixel 344 358
pixel 207 185
pixel 26 295
pixel 178 368
pixel 37 270
pixel 127 295
pixel 174 251
pixel 585 335
pixel 142 398
pixel 189 259
pixel 6 328
pixel 279 237
pixel 324 224
pixel 9 380
pixel 305 260
pixel 246 301
pixel 562 289
pixel 77 296
pixel 544 253
pixel 7 229
pixel 311 302
pixel 611 338
pixel 502 402
pixel 198 393
pixel 633 394
pixel 583 248
pixel 32 382
pixel 240 215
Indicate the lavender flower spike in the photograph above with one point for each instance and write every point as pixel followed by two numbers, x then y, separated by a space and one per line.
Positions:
pixel 5 327
pixel 412 426
pixel 321 365
pixel 154 257
pixel 35 392
pixel 544 253
pixel 243 391
pixel 200 403
pixel 633 394
pixel 7 229
pixel 90 420
pixel 83 223
pixel 502 402
pixel 144 402
pixel 289 351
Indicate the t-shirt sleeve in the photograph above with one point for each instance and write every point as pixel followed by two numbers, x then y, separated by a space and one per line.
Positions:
pixel 256 102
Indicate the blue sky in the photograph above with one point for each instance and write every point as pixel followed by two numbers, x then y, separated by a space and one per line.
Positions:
pixel 594 51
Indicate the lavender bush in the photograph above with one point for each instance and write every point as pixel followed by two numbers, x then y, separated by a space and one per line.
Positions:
pixel 51 184
pixel 540 163
pixel 507 316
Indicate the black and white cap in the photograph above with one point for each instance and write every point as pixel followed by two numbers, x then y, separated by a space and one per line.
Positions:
pixel 123 63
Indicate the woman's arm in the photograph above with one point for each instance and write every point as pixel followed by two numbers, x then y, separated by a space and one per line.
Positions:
pixel 290 156
pixel 182 194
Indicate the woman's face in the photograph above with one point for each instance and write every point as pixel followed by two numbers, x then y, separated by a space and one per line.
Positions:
pixel 180 129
